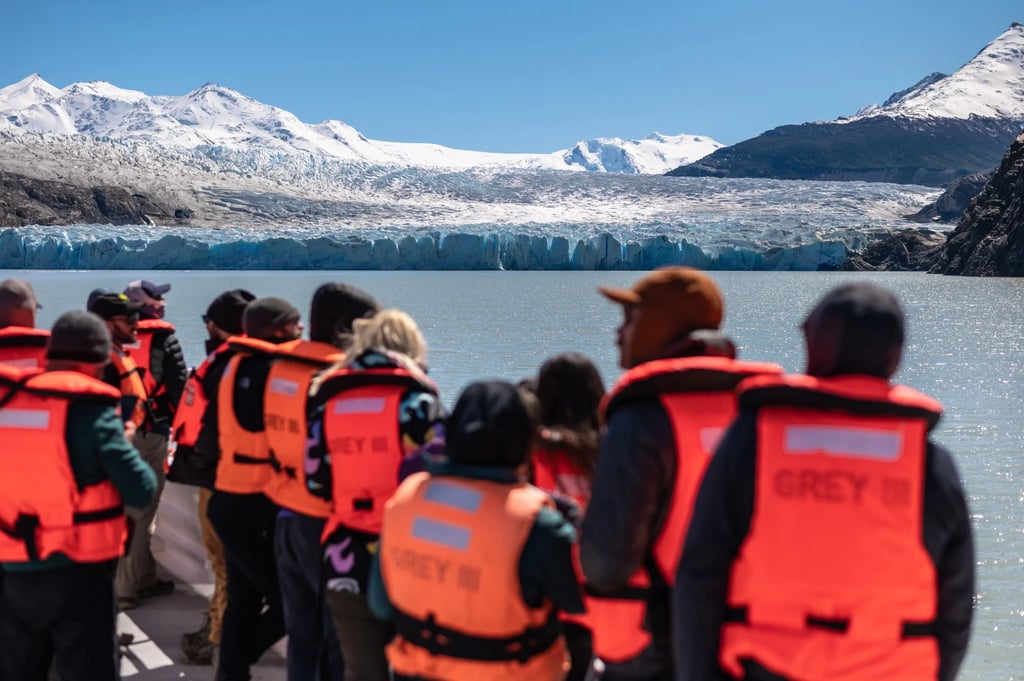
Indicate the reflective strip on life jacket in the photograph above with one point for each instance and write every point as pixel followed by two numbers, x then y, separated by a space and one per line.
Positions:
pixel 42 510
pixel 833 581
pixel 361 433
pixel 284 414
pixel 698 395
pixel 23 347
pixel 450 544
pixel 244 466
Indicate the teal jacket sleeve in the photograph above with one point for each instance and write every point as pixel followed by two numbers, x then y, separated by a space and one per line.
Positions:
pixel 546 567
pixel 99 451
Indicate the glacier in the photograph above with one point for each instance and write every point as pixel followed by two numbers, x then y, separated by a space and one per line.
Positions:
pixel 96 247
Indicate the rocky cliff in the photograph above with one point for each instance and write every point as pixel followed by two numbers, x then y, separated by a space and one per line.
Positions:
pixel 28 201
pixel 950 206
pixel 989 239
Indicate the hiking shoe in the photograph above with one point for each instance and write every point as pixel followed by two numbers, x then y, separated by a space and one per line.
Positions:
pixel 159 587
pixel 201 654
pixel 199 636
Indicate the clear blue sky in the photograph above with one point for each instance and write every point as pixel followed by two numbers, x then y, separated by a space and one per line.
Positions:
pixel 513 75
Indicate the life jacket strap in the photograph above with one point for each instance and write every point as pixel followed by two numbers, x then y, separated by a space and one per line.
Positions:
pixel 24 530
pixel 441 640
pixel 279 467
pixel 99 515
pixel 910 629
pixel 246 459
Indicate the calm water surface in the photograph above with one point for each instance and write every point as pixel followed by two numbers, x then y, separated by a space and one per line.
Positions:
pixel 965 347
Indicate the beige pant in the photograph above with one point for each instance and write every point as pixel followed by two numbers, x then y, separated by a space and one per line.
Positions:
pixel 215 554
pixel 137 568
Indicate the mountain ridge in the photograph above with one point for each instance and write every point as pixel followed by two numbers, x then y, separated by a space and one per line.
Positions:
pixel 938 129
pixel 218 116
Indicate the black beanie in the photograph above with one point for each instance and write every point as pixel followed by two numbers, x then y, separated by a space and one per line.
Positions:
pixel 226 310
pixel 490 426
pixel 263 316
pixel 855 329
pixel 335 306
pixel 79 337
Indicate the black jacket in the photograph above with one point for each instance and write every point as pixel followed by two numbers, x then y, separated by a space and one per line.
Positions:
pixel 168 368
pixel 721 522
pixel 630 499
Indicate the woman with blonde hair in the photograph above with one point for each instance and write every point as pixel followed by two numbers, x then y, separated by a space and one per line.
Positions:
pixel 372 419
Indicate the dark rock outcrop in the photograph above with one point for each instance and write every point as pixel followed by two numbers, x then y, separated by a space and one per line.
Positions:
pixel 29 201
pixel 879 149
pixel 911 250
pixel 989 239
pixel 950 206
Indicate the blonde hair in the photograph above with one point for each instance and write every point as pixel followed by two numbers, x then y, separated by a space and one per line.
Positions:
pixel 387 330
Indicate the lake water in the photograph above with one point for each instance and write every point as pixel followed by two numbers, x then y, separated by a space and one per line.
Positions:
pixel 965 347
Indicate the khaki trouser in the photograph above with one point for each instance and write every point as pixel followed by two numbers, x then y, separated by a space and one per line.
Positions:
pixel 137 568
pixel 215 554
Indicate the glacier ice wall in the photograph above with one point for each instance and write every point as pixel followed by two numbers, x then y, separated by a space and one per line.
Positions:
pixel 106 247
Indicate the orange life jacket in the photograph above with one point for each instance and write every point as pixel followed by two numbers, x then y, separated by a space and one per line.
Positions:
pixel 244 466
pixel 361 431
pixel 142 353
pixel 555 471
pixel 23 347
pixel 188 416
pixel 129 374
pixel 42 510
pixel 699 396
pixel 834 581
pixel 284 414
pixel 449 556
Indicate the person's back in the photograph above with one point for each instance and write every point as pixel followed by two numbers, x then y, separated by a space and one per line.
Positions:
pixel 300 522
pixel 830 538
pixel 240 513
pixel 371 419
pixel 663 417
pixel 70 524
pixel 474 564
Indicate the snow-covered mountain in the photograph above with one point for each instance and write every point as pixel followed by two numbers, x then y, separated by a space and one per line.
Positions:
pixel 217 116
pixel 930 133
pixel 650 156
pixel 991 85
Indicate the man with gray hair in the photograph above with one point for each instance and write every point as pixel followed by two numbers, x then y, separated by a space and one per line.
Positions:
pixel 21 344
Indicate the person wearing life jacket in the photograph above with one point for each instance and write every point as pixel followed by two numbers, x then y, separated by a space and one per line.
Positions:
pixel 66 469
pixel 830 538
pixel 137 576
pixel 223 319
pixel 158 355
pixel 158 352
pixel 233 434
pixel 21 344
pixel 663 417
pixel 568 390
pixel 474 564
pixel 372 419
pixel 313 648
